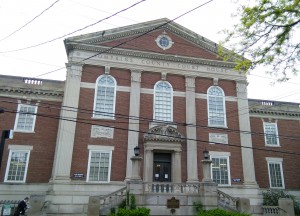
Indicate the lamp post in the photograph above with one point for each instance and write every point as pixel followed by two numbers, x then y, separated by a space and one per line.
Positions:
pixel 206 164
pixel 136 164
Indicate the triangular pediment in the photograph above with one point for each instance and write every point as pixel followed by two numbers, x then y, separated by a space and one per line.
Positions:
pixel 163 133
pixel 141 40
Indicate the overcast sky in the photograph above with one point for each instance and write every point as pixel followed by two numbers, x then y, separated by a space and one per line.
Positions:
pixel 66 16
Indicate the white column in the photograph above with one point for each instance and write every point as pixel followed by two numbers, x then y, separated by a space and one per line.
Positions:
pixel 134 111
pixel 66 129
pixel 148 165
pixel 192 168
pixel 176 168
pixel 246 141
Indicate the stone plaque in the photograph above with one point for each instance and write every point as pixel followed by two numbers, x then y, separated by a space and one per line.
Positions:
pixel 100 131
pixel 172 203
pixel 218 138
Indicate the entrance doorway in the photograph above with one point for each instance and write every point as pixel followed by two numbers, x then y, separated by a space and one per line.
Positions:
pixel 162 167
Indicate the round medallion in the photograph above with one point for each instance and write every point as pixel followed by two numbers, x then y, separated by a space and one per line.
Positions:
pixel 164 41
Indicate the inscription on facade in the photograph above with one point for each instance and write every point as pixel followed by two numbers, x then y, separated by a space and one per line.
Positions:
pixel 165 64
pixel 218 138
pixel 100 131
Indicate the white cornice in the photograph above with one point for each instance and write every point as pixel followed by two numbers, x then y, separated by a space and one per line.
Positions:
pixel 183 66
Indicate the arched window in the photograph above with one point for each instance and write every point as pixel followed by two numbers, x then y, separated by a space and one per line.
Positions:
pixel 163 101
pixel 105 97
pixel 216 107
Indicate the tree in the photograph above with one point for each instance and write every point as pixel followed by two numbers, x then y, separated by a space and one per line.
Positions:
pixel 267 33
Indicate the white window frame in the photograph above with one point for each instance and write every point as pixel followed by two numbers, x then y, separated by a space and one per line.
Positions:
pixel 276 134
pixel 101 149
pixel 105 115
pixel 219 155
pixel 20 105
pixel 20 149
pixel 277 161
pixel 155 105
pixel 208 106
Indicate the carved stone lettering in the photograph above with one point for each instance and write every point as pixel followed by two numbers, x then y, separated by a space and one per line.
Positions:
pixel 100 131
pixel 218 138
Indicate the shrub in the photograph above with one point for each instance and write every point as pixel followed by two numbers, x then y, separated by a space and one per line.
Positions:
pixel 132 212
pixel 271 197
pixel 220 212
pixel 198 206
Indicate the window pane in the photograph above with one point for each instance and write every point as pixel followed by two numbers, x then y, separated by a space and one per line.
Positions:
pixel 275 175
pixel 216 108
pixel 220 171
pixel 163 102
pixel 271 136
pixel 17 166
pixel 105 98
pixel 25 121
pixel 99 166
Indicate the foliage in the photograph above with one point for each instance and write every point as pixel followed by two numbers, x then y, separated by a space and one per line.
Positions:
pixel 129 202
pixel 132 212
pixel 132 204
pixel 266 33
pixel 220 212
pixel 271 197
pixel 198 206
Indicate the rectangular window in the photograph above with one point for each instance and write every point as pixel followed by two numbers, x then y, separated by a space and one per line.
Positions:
pixel 17 164
pixel 220 170
pixel 25 119
pixel 271 134
pixel 99 166
pixel 275 173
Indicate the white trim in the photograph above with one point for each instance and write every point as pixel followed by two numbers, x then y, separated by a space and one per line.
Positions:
pixel 89 161
pixel 101 148
pixel 224 107
pixel 269 159
pixel 18 114
pixel 95 98
pixel 8 166
pixel 278 161
pixel 217 153
pixel 20 147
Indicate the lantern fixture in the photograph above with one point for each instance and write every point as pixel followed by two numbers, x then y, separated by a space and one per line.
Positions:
pixel 136 151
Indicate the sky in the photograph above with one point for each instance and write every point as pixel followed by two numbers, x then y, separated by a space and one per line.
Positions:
pixel 32 34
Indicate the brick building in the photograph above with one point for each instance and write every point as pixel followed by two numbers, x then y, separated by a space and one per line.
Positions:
pixel 155 85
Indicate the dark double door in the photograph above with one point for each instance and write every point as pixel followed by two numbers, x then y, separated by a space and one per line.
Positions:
pixel 162 167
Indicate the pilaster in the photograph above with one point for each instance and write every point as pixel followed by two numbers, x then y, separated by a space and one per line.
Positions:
pixel 66 130
pixel 134 113
pixel 246 141
pixel 192 168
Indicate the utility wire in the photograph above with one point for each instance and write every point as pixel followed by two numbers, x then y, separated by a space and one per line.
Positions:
pixel 147 32
pixel 139 131
pixel 142 119
pixel 29 21
pixel 85 27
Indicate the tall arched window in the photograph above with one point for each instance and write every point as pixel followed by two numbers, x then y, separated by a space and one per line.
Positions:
pixel 163 101
pixel 105 97
pixel 216 107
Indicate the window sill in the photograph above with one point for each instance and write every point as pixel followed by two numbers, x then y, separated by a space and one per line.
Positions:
pixel 23 131
pixel 217 126
pixel 275 146
pixel 99 118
